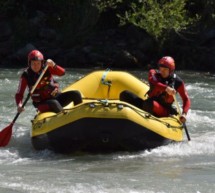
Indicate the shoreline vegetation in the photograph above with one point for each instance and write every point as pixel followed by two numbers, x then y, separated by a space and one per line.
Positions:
pixel 109 33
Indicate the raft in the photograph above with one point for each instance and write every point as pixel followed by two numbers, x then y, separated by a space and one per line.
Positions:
pixel 102 123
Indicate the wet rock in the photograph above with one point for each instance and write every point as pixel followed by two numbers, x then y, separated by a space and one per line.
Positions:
pixel 74 58
pixel 125 59
pixel 48 34
pixel 142 59
pixel 95 58
pixel 87 49
pixel 6 31
pixel 52 52
pixel 21 54
pixel 208 38
pixel 134 33
pixel 38 20
pixel 6 47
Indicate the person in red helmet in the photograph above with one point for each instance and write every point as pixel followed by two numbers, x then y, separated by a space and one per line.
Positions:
pixel 46 96
pixel 164 83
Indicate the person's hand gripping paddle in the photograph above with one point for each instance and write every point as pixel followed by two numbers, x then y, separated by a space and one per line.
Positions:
pixel 179 111
pixel 6 133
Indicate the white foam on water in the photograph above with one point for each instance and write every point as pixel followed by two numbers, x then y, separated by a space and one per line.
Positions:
pixel 200 89
pixel 20 150
pixel 33 171
pixel 44 187
pixel 6 156
pixel 201 145
pixel 201 128
pixel 200 122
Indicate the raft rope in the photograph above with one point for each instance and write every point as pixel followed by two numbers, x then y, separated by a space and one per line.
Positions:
pixel 149 116
pixel 105 103
pixel 108 82
pixel 139 112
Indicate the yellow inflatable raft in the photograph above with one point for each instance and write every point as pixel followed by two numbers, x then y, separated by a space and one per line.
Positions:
pixel 103 123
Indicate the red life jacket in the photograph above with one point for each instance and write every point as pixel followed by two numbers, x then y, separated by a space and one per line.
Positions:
pixel 44 88
pixel 162 96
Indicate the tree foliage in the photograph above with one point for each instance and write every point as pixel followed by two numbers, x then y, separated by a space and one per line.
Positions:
pixel 104 5
pixel 158 18
pixel 74 20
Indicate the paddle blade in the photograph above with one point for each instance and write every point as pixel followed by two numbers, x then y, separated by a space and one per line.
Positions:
pixel 5 135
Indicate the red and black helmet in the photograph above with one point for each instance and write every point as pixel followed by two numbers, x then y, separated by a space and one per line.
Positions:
pixel 35 55
pixel 167 62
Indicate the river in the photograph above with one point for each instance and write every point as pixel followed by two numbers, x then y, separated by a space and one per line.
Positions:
pixel 176 168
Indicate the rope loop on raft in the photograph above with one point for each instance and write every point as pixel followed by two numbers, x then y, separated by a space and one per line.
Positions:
pixel 107 82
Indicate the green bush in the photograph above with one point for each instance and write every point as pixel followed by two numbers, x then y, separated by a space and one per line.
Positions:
pixel 104 5
pixel 158 18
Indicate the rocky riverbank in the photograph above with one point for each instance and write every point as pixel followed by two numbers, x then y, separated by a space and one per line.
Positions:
pixel 109 46
pixel 115 47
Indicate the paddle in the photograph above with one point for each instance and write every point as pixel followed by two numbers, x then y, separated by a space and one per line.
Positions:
pixel 184 124
pixel 6 133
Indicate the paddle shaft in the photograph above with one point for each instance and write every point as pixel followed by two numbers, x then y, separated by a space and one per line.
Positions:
pixel 31 92
pixel 184 124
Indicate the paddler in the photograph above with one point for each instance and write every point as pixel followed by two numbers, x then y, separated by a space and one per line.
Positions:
pixel 47 96
pixel 164 83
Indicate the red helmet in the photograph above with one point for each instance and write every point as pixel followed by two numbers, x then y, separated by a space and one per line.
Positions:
pixel 35 55
pixel 167 62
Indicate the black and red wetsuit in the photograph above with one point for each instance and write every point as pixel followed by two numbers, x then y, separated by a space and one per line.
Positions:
pixel 159 102
pixel 162 101
pixel 44 88
pixel 42 98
